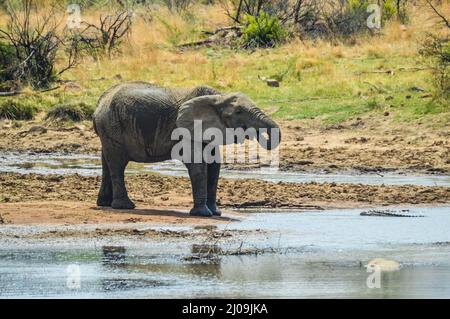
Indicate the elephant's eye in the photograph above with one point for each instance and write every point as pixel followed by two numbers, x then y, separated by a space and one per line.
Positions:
pixel 239 111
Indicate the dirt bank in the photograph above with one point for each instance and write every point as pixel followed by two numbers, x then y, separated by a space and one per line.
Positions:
pixel 32 198
pixel 362 144
pixel 78 212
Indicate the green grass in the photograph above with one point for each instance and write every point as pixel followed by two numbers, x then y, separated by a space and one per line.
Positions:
pixel 17 109
pixel 71 112
pixel 326 87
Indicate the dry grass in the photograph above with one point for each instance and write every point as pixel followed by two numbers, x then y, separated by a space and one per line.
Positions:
pixel 313 69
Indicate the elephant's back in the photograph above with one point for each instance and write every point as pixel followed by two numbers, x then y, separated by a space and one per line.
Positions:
pixel 135 96
pixel 139 115
pixel 135 101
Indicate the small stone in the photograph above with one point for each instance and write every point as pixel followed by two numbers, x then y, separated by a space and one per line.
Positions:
pixel 5 124
pixel 72 86
pixel 272 83
pixel 386 113
pixel 75 145
pixel 79 127
pixel 37 129
pixel 417 89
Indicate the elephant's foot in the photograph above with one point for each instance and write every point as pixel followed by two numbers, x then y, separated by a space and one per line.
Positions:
pixel 203 211
pixel 122 203
pixel 104 201
pixel 214 209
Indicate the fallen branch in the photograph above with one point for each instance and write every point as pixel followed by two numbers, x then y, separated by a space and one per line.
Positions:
pixel 10 93
pixel 195 43
pixel 212 37
pixel 392 72
pixel 233 27
pixel 414 69
pixel 13 93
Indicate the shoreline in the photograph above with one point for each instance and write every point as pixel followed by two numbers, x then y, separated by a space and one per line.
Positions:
pixel 60 199
pixel 367 145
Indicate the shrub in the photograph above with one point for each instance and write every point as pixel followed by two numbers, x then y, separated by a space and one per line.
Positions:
pixel 71 112
pixel 36 40
pixel 436 52
pixel 105 37
pixel 316 18
pixel 349 19
pixel 262 31
pixel 8 61
pixel 17 110
pixel 178 5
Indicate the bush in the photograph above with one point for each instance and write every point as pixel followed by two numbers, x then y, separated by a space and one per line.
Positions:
pixel 71 112
pixel 8 61
pixel 178 5
pixel 316 18
pixel 394 9
pixel 349 19
pixel 37 39
pixel 436 51
pixel 105 37
pixel 17 110
pixel 263 31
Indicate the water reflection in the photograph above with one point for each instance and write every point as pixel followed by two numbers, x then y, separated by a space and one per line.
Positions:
pixel 113 255
pixel 122 284
pixel 329 261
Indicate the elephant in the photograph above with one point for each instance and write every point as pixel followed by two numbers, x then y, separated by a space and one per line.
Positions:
pixel 135 121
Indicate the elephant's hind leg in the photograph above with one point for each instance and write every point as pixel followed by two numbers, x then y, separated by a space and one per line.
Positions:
pixel 116 162
pixel 213 179
pixel 105 195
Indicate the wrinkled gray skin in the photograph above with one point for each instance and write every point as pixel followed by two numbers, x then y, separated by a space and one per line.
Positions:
pixel 135 121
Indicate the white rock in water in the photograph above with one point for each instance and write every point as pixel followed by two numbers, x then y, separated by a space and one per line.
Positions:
pixel 384 264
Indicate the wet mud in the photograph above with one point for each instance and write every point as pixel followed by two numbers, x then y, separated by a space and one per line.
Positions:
pixel 34 198
pixel 367 145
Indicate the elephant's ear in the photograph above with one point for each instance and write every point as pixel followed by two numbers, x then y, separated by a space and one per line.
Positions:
pixel 207 109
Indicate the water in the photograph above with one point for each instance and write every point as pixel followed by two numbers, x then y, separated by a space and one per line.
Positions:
pixel 89 165
pixel 316 254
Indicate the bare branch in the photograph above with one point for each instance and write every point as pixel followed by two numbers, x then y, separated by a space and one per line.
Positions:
pixel 444 19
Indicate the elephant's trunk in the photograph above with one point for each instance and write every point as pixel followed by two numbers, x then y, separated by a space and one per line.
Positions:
pixel 273 138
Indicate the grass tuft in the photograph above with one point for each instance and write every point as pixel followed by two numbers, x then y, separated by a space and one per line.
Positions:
pixel 75 112
pixel 17 110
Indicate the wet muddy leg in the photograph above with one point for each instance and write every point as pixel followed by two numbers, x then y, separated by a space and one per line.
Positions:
pixel 117 162
pixel 105 195
pixel 198 176
pixel 213 179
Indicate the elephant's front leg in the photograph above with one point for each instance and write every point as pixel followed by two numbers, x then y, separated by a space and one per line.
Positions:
pixel 198 174
pixel 213 179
